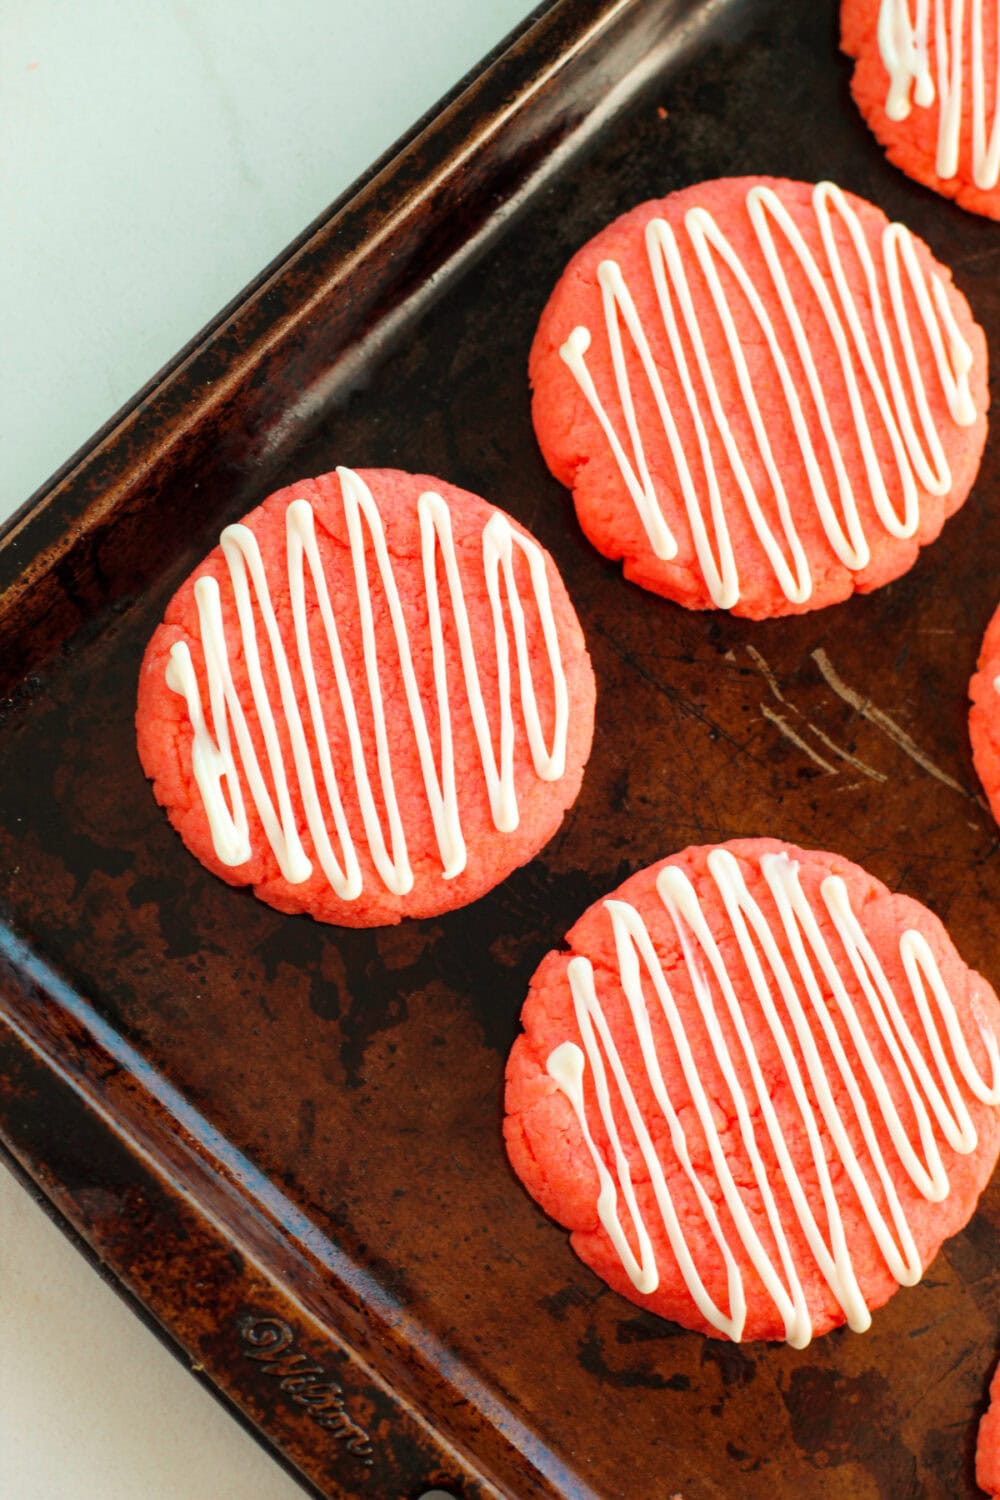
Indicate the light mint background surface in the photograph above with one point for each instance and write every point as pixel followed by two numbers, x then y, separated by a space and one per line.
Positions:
pixel 154 155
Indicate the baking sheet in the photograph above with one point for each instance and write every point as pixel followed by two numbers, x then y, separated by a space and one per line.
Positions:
pixel 323 1106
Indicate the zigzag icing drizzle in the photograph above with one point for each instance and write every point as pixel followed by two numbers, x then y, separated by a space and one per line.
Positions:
pixel 903 36
pixel 228 774
pixel 894 385
pixel 801 1020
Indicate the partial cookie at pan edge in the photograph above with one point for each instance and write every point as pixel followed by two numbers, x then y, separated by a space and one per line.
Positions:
pixel 933 120
pixel 988 1442
pixel 984 714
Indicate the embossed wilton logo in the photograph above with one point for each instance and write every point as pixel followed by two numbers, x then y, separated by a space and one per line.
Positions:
pixel 271 1343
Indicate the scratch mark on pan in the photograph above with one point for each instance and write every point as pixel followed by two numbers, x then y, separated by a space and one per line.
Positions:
pixel 852 760
pixel 766 673
pixel 786 729
pixel 888 727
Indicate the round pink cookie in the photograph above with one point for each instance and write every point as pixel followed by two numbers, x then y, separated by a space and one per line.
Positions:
pixel 372 700
pixel 762 395
pixel 984 715
pixel 759 1089
pixel 918 105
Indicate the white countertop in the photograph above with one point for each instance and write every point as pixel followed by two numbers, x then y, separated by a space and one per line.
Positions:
pixel 154 156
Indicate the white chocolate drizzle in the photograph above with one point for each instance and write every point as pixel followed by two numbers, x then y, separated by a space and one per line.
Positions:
pixel 903 41
pixel 227 767
pixel 809 1012
pixel 886 377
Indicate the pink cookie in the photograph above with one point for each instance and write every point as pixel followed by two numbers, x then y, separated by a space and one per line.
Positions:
pixel 984 715
pixel 988 1442
pixel 372 700
pixel 758 1088
pixel 763 395
pixel 922 101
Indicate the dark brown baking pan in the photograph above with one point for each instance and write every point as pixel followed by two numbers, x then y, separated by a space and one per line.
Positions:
pixel 284 1139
